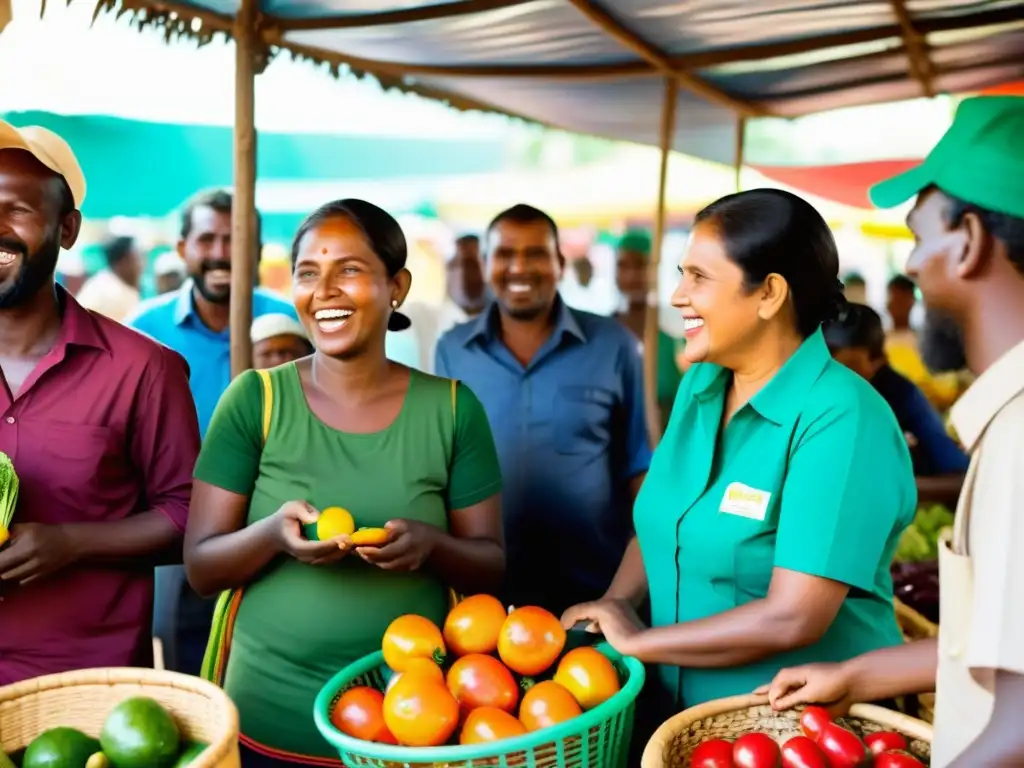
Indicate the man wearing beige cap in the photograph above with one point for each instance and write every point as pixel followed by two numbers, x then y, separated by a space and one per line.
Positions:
pixel 100 425
pixel 278 339
pixel 968 261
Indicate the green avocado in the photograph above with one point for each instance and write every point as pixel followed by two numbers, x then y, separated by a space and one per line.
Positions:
pixel 140 733
pixel 190 753
pixel 60 748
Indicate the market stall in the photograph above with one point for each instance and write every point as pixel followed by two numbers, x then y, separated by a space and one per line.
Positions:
pixel 683 79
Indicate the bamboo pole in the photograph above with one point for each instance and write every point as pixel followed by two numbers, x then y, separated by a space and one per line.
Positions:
pixel 741 135
pixel 651 405
pixel 243 210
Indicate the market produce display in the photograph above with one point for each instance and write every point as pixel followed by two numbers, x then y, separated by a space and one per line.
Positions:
pixel 920 541
pixel 8 498
pixel 825 743
pixel 487 676
pixel 138 733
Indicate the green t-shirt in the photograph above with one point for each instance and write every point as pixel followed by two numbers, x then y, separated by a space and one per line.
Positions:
pixel 297 624
pixel 669 374
pixel 812 475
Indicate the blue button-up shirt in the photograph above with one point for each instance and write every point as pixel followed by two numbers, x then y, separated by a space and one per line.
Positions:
pixel 172 320
pixel 571 435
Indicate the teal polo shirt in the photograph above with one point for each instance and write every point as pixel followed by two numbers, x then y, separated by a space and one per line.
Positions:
pixel 812 475
pixel 172 320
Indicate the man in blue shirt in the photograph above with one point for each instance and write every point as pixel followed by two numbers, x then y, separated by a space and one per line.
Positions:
pixel 193 321
pixel 857 340
pixel 563 390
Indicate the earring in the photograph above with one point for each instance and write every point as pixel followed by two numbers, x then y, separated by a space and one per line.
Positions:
pixel 394 303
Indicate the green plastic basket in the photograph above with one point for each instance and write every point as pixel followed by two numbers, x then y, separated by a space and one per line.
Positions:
pixel 598 738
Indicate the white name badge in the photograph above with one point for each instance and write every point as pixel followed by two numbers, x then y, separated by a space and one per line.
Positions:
pixel 745 501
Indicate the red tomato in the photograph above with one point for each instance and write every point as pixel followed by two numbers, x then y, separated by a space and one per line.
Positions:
pixel 547 704
pixel 842 747
pixel 412 637
pixel 530 641
pixel 885 741
pixel 716 753
pixel 359 713
pixel 755 750
pixel 801 752
pixel 473 625
pixel 897 759
pixel 589 676
pixel 482 681
pixel 420 712
pixel 487 724
pixel 813 720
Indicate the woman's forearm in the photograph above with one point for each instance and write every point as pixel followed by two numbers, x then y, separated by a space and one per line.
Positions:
pixel 891 672
pixel 630 582
pixel 468 565
pixel 739 636
pixel 230 560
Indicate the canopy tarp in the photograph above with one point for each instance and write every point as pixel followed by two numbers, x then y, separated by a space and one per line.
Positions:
pixel 598 68
pixel 138 168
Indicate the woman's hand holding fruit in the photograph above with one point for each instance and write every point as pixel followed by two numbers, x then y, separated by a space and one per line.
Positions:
pixel 411 543
pixel 289 521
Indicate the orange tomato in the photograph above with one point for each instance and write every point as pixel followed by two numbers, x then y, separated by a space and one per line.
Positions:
pixel 359 713
pixel 488 724
pixel 370 537
pixel 530 640
pixel 420 668
pixel 412 637
pixel 588 675
pixel 482 681
pixel 473 625
pixel 547 704
pixel 419 712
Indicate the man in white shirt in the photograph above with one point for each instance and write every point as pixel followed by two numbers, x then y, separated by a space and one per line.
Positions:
pixel 968 261
pixel 114 291
pixel 466 298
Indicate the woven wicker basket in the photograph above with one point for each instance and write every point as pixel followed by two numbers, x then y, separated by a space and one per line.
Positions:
pixel 914 625
pixel 672 744
pixel 83 700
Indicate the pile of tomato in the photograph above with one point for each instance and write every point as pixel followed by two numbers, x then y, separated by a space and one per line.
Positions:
pixel 824 744
pixel 488 675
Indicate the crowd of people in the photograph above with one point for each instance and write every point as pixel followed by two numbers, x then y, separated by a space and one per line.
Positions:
pixel 749 550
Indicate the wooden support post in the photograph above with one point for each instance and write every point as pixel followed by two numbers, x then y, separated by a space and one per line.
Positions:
pixel 741 135
pixel 651 405
pixel 244 239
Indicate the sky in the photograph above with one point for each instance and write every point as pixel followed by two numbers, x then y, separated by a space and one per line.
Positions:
pixel 114 69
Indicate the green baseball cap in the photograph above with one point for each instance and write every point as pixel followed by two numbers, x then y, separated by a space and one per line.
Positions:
pixel 979 160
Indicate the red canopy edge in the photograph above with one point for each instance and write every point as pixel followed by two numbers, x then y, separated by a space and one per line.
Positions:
pixel 845 183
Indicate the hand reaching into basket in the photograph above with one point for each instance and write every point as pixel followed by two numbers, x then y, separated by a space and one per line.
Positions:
pixel 826 684
pixel 615 619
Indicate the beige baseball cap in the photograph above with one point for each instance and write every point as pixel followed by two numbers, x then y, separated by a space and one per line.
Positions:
pixel 50 150
pixel 276 324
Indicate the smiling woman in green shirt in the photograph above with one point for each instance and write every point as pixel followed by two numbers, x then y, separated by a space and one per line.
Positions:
pixel 344 427
pixel 774 503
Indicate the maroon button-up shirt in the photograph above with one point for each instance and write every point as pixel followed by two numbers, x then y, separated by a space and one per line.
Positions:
pixel 103 428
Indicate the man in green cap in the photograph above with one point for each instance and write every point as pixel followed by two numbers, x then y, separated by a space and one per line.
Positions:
pixel 632 257
pixel 968 223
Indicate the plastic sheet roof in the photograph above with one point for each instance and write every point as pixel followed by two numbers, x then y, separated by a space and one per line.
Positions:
pixel 600 67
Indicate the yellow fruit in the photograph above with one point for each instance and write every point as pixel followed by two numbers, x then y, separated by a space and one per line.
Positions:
pixel 333 521
pixel 4 535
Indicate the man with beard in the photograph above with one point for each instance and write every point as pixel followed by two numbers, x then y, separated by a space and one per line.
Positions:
pixel 968 260
pixel 101 427
pixel 563 390
pixel 194 321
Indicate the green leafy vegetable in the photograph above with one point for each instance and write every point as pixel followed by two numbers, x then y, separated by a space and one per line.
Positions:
pixel 921 540
pixel 8 493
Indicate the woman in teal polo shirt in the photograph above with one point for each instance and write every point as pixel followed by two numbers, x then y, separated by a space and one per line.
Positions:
pixel 344 427
pixel 775 501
